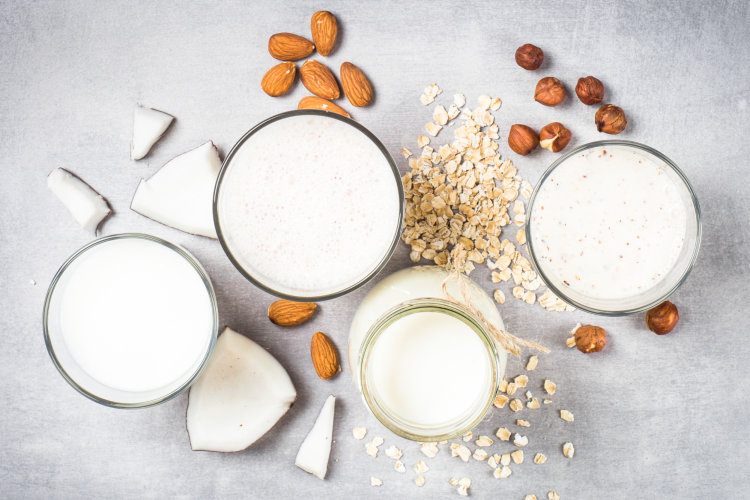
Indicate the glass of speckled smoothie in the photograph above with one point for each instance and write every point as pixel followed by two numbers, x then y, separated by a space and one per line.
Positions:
pixel 308 205
pixel 613 227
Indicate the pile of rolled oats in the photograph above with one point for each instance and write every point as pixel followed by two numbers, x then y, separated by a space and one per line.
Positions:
pixel 464 192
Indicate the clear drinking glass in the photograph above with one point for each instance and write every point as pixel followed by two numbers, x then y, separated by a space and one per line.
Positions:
pixel 257 278
pixel 76 376
pixel 669 283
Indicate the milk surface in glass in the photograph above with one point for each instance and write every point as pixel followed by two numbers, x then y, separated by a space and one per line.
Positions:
pixel 135 315
pixel 309 204
pixel 609 223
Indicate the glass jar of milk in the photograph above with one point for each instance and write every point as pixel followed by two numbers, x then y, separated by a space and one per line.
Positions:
pixel 427 368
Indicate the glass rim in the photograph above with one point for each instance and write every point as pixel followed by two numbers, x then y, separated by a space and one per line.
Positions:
pixel 172 246
pixel 638 146
pixel 339 293
pixel 391 422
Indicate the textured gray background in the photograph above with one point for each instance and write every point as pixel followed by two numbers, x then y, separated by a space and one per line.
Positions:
pixel 656 417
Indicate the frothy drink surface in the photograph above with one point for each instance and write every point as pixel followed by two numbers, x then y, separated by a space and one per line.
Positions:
pixel 609 223
pixel 309 203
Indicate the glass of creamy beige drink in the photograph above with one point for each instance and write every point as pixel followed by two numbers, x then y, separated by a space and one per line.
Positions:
pixel 308 205
pixel 613 227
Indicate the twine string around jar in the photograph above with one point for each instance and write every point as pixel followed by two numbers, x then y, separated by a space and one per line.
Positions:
pixel 507 341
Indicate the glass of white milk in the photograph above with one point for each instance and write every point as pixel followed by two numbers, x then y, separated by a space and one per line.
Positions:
pixel 308 205
pixel 130 320
pixel 427 368
pixel 613 227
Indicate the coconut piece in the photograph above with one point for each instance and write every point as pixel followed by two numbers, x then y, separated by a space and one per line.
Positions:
pixel 180 194
pixel 148 127
pixel 87 206
pixel 241 394
pixel 313 455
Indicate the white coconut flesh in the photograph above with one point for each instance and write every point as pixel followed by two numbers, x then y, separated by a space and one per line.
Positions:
pixel 239 397
pixel 87 206
pixel 180 194
pixel 316 448
pixel 148 127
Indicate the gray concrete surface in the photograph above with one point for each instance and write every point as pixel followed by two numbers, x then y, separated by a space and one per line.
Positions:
pixel 655 417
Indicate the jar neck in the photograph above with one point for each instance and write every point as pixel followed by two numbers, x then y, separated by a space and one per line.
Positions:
pixel 469 418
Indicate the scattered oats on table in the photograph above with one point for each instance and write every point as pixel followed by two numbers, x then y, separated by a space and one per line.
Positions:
pixel 566 415
pixel 499 295
pixel 521 380
pixel 553 496
pixel 550 387
pixel 519 440
pixel 461 451
pixel 430 93
pixel 533 404
pixel 568 450
pixel 359 432
pixel 547 401
pixel 480 454
pixel 454 481
pixel 393 453
pixel 540 459
pixel 517 456
pixel 484 441
pixel 430 449
pixel 421 467
pixel 372 450
pixel 375 482
pixel 503 434
pixel 523 423
pixel 399 466
pixel 500 400
pixel 502 473
pixel 463 486
pixel 516 405
pixel 530 497
pixel 503 385
pixel 533 362
pixel 505 459
pixel 511 389
pixel 406 152
pixel 419 481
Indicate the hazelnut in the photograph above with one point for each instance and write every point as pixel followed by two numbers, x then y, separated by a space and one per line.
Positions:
pixel 529 57
pixel 610 119
pixel 554 137
pixel 549 91
pixel 663 318
pixel 590 90
pixel 590 338
pixel 522 139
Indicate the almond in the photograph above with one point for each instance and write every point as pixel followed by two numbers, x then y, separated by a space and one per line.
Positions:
pixel 324 356
pixel 279 79
pixel 288 313
pixel 319 80
pixel 312 102
pixel 356 86
pixel 289 47
pixel 324 30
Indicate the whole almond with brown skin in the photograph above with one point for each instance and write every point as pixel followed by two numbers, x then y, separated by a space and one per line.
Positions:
pixel 313 102
pixel 324 356
pixel 288 313
pixel 324 30
pixel 356 86
pixel 319 80
pixel 278 80
pixel 289 47
pixel 590 338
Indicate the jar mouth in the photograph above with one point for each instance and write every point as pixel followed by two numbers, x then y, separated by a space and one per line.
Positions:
pixel 456 426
